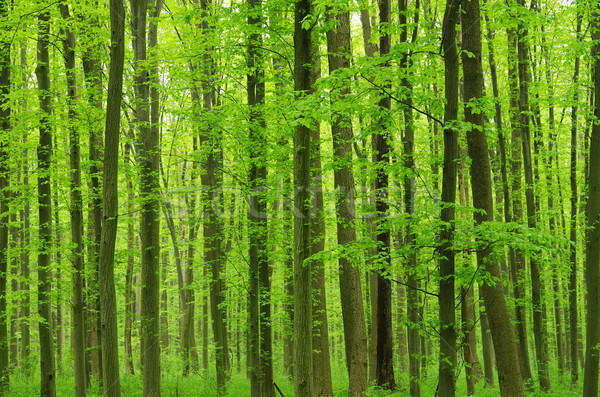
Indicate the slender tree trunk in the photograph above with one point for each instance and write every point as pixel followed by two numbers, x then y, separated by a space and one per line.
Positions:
pixel 573 320
pixel 47 366
pixel 517 260
pixel 108 313
pixel 129 299
pixel 92 67
pixel 76 211
pixel 261 372
pixel 539 330
pixel 592 244
pixel 448 357
pixel 146 115
pixel 381 150
pixel 164 299
pixel 321 362
pixel 5 113
pixel 338 45
pixel 502 333
pixel 303 59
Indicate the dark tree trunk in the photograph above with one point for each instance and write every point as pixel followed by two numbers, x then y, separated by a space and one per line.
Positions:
pixel 5 112
pixel 92 67
pixel 108 302
pixel 146 117
pixel 517 260
pixel 448 357
pixel 76 211
pixel 129 295
pixel 261 372
pixel 481 182
pixel 573 320
pixel 338 45
pixel 303 59
pixel 539 330
pixel 592 244
pixel 381 151
pixel 47 368
pixel 321 362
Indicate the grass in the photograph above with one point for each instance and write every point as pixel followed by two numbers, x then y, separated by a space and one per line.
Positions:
pixel 204 383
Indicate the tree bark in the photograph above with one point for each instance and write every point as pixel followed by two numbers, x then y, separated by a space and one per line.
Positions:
pixel 261 372
pixel 381 151
pixel 47 366
pixel 108 313
pixel 573 315
pixel 5 127
pixel 592 244
pixel 539 330
pixel 339 50
pixel 303 60
pixel 481 182
pixel 448 356
pixel 517 260
pixel 76 211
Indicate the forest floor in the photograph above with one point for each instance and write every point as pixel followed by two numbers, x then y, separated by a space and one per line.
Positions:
pixel 203 384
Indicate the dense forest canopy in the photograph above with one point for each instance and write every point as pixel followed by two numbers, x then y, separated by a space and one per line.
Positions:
pixel 308 197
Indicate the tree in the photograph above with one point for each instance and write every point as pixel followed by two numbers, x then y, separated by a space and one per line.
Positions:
pixel 509 375
pixel 261 362
pixel 447 313
pixel 592 242
pixel 147 113
pixel 47 368
pixel 110 354
pixel 381 152
pixel 78 320
pixel 303 60
pixel 5 113
pixel 339 51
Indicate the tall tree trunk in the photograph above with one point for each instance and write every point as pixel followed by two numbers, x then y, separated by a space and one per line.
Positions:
pixel 573 320
pixel 210 181
pixel 539 330
pixel 164 299
pixel 92 67
pixel 76 211
pixel 129 299
pixel 592 244
pixel 303 59
pixel 321 362
pixel 146 115
pixel 261 372
pixel 502 333
pixel 339 50
pixel 448 357
pixel 47 368
pixel 517 260
pixel 381 150
pixel 5 112
pixel 108 301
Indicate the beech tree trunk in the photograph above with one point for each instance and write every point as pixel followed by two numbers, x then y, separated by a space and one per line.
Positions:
pixel 509 374
pixel 108 305
pixel 539 329
pixel 592 244
pixel 381 151
pixel 448 356
pixel 261 361
pixel 5 112
pixel 47 366
pixel 338 45
pixel 303 59
pixel 76 211
pixel 321 362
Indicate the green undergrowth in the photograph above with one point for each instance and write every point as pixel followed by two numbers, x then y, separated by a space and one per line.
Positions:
pixel 204 384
